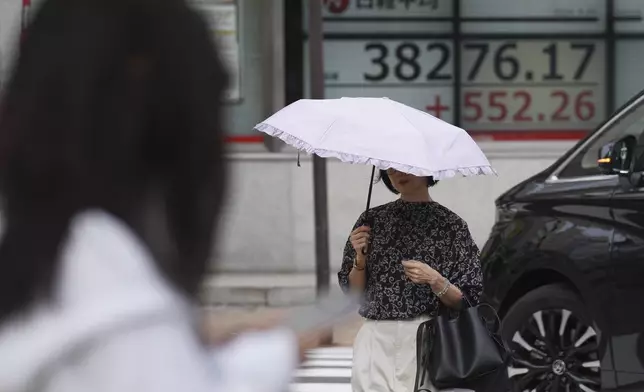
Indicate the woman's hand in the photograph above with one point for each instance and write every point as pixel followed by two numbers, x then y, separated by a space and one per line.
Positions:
pixel 360 241
pixel 310 340
pixel 221 329
pixel 421 273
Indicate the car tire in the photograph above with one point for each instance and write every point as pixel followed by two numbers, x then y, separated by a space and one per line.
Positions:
pixel 555 344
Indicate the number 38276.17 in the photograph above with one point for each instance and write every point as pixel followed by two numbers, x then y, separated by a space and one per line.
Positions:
pixel 493 106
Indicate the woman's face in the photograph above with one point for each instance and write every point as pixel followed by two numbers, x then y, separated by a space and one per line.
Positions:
pixel 406 183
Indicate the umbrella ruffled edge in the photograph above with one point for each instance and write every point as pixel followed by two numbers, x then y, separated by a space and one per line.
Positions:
pixel 356 159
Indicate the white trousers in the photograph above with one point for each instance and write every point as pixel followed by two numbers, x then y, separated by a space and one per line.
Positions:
pixel 384 356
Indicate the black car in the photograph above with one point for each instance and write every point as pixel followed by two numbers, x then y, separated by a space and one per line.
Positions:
pixel 564 265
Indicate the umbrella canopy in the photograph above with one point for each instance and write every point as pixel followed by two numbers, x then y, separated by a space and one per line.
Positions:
pixel 380 132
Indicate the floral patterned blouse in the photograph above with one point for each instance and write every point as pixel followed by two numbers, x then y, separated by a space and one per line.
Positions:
pixel 422 231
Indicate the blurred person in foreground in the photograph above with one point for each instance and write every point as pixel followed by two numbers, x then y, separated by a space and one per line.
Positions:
pixel 112 179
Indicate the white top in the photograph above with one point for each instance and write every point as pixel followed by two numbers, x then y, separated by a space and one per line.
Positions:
pixel 116 325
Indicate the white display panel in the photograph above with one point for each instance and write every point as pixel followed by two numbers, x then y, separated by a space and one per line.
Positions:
pixel 437 101
pixel 554 83
pixel 386 16
pixel 389 61
pixel 629 81
pixel 532 85
pixel 419 73
pixel 629 16
pixel 533 16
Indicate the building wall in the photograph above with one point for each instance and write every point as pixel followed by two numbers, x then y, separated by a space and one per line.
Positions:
pixel 269 227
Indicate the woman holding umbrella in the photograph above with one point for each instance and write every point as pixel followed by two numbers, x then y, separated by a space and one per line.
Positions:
pixel 420 253
pixel 406 257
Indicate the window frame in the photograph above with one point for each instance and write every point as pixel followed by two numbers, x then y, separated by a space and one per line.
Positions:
pixel 623 112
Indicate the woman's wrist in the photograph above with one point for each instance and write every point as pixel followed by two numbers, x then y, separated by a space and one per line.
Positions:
pixel 359 263
pixel 437 283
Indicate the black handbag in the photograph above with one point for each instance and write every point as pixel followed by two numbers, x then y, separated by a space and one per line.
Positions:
pixel 462 349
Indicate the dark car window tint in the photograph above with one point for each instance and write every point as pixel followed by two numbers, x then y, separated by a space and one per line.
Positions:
pixel 585 162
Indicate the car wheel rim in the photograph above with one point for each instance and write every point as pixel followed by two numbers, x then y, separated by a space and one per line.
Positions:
pixel 554 350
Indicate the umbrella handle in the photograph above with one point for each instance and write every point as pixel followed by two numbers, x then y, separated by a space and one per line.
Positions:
pixel 369 223
pixel 373 176
pixel 367 218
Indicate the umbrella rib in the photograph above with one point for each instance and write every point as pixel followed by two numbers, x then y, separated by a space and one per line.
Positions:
pixel 326 131
pixel 410 123
pixel 422 136
pixel 416 129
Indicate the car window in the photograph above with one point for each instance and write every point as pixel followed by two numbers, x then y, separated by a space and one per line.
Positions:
pixel 585 162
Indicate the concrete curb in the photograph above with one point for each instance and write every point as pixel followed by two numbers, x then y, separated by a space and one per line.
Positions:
pixel 343 335
pixel 263 290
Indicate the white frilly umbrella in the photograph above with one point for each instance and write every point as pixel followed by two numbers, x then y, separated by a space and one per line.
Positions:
pixel 379 132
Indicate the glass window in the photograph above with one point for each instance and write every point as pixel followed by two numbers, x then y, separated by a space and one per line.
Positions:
pixel 585 162
pixel 239 28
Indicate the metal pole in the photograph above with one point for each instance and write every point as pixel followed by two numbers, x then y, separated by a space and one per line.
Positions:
pixel 273 53
pixel 316 58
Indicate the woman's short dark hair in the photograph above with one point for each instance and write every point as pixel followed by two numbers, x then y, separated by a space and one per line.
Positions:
pixel 108 100
pixel 384 177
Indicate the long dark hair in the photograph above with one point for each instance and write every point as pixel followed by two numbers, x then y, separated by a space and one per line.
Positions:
pixel 108 99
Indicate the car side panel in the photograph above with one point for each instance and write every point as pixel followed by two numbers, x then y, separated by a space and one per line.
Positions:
pixel 559 229
pixel 628 263
pixel 565 227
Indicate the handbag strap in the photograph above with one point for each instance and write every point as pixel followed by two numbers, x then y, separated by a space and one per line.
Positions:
pixel 443 309
pixel 421 370
pixel 419 350
pixel 466 302
pixel 494 314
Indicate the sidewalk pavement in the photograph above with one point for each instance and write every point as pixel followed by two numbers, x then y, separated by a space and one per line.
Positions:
pixel 343 335
pixel 235 295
